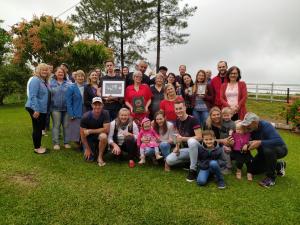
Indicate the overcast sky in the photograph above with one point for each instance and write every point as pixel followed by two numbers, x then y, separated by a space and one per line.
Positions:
pixel 262 37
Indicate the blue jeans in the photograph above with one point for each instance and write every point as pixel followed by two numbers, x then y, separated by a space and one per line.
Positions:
pixel 59 118
pixel 201 116
pixel 189 154
pixel 214 168
pixel 165 148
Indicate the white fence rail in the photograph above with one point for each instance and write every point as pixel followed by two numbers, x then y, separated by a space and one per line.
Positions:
pixel 272 92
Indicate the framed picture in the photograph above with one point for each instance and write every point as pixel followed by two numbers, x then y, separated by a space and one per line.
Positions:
pixel 114 88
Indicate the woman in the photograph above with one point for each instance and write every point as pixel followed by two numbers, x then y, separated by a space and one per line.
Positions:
pixel 91 90
pixel 171 79
pixel 214 123
pixel 187 93
pixel 74 98
pixel 204 97
pixel 234 93
pixel 58 88
pixel 122 136
pixel 167 105
pixel 158 94
pixel 165 130
pixel 138 98
pixel 37 104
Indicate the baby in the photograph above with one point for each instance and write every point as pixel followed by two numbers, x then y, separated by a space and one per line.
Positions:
pixel 240 152
pixel 147 138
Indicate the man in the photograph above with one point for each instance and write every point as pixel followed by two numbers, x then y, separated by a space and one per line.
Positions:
pixel 189 135
pixel 111 104
pixel 208 76
pixel 182 71
pixel 118 71
pixel 218 80
pixel 94 127
pixel 98 72
pixel 162 70
pixel 141 66
pixel 69 77
pixel 270 147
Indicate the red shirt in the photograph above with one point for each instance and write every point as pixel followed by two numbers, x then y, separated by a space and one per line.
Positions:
pixel 216 83
pixel 168 107
pixel 144 91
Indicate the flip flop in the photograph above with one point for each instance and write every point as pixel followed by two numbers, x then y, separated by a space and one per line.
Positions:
pixel 101 164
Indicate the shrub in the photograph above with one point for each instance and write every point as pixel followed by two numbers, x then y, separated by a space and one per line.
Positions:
pixel 293 113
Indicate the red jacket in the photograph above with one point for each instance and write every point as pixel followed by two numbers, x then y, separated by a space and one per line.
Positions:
pixel 216 83
pixel 242 98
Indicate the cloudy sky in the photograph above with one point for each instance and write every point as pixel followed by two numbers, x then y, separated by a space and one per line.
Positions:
pixel 261 37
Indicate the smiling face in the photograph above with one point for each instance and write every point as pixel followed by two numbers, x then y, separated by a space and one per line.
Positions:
pixel 187 80
pixel 60 74
pixel 124 116
pixel 208 140
pixel 233 76
pixel 170 91
pixel 215 117
pixel 93 77
pixel 160 120
pixel 180 110
pixel 201 77
pixel 97 108
pixel 159 80
pixel 222 68
pixel 147 125
pixel 109 66
pixel 171 79
pixel 79 78
pixel 226 116
pixel 143 67
pixel 137 77
pixel 44 72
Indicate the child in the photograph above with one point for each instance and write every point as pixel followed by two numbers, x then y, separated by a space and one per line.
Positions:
pixel 240 151
pixel 211 159
pixel 147 138
pixel 228 126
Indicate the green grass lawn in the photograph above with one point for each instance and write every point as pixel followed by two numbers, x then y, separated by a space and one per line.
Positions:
pixel 60 188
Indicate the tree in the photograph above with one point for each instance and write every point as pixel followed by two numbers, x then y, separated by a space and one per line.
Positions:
pixel 13 79
pixel 5 40
pixel 42 39
pixel 170 18
pixel 91 51
pixel 119 23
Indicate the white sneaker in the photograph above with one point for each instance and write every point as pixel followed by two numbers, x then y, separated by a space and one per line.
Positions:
pixel 68 146
pixel 56 147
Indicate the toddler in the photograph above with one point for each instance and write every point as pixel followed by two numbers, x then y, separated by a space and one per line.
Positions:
pixel 147 138
pixel 240 152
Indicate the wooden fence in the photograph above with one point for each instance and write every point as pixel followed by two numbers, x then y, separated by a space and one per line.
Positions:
pixel 272 92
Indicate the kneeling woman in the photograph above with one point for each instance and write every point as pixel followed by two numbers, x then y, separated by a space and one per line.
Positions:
pixel 122 136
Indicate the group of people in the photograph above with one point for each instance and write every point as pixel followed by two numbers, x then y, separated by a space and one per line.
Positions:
pixel 203 123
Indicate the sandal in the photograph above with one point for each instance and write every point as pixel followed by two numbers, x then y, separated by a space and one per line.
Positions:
pixel 249 177
pixel 238 175
pixel 101 164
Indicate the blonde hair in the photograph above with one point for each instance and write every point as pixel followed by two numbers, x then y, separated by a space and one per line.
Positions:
pixel 195 87
pixel 39 68
pixel 208 120
pixel 80 72
pixel 89 79
pixel 227 110
pixel 165 91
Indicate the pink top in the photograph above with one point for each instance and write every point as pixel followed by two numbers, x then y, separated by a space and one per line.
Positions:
pixel 240 140
pixel 232 94
pixel 151 134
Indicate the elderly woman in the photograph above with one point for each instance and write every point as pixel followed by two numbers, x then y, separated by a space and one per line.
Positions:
pixel 167 105
pixel 91 90
pixel 122 136
pixel 203 97
pixel 37 104
pixel 138 98
pixel 58 88
pixel 158 94
pixel 234 93
pixel 74 98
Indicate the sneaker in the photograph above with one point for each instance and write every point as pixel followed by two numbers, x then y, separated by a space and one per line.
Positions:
pixel 281 168
pixel 40 150
pixel 56 147
pixel 267 182
pixel 221 184
pixel 131 164
pixel 67 146
pixel 192 175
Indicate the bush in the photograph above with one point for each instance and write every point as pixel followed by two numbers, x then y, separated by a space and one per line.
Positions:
pixel 13 79
pixel 293 113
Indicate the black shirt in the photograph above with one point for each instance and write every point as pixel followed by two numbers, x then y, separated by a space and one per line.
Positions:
pixel 114 104
pixel 89 122
pixel 187 127
pixel 129 79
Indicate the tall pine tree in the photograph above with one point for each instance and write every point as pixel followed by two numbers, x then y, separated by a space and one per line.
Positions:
pixel 169 20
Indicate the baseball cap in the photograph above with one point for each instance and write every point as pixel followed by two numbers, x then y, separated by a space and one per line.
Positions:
pixel 249 118
pixel 97 99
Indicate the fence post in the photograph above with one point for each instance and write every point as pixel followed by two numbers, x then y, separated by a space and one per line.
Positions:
pixel 256 92
pixel 287 101
pixel 272 91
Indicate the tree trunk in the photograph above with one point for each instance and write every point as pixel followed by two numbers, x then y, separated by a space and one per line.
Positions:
pixel 122 38
pixel 158 35
pixel 106 36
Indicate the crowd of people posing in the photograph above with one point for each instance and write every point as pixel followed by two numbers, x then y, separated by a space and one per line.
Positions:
pixel 202 123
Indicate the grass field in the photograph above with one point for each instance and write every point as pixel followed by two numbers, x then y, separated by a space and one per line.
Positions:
pixel 60 188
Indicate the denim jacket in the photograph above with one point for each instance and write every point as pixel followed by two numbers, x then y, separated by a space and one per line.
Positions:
pixel 38 95
pixel 74 101
pixel 58 95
